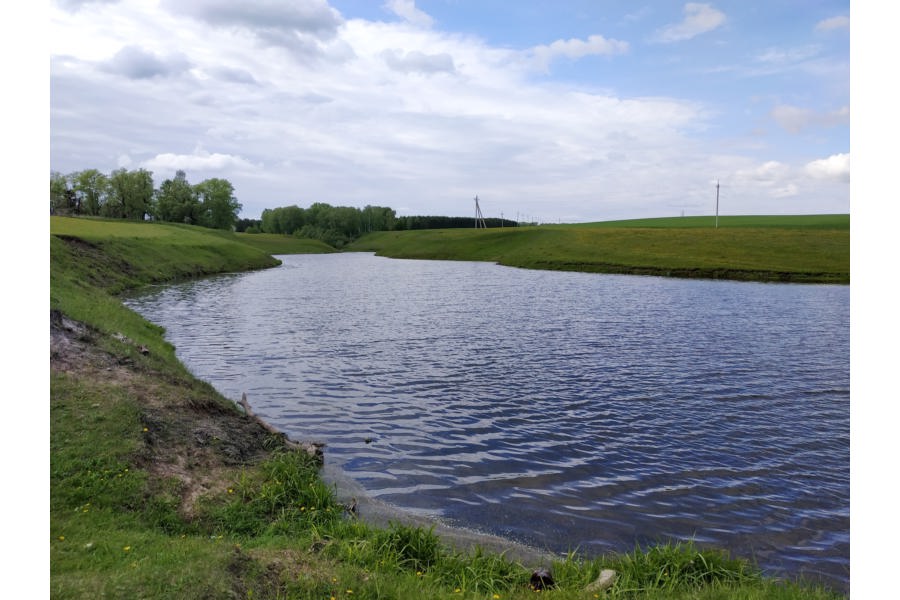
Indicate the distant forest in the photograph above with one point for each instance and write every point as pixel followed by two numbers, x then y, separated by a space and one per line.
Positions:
pixel 124 194
pixel 340 225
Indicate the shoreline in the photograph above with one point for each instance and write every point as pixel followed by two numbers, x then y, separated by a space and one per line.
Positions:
pixel 381 514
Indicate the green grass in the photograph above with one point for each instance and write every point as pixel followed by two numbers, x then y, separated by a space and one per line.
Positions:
pixel 789 252
pixel 125 446
pixel 273 243
pixel 837 222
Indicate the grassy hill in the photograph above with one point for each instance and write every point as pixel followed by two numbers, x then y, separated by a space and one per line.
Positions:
pixel 789 249
pixel 162 488
pixel 837 222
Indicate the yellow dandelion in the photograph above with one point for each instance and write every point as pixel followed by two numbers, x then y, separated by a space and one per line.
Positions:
pixel 62 537
pixel 457 590
pixel 496 596
pixel 127 549
pixel 230 490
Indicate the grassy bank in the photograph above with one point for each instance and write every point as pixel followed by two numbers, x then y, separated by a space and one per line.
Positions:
pixel 798 249
pixel 832 222
pixel 272 243
pixel 161 488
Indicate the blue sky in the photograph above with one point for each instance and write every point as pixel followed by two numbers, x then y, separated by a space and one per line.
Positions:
pixel 552 111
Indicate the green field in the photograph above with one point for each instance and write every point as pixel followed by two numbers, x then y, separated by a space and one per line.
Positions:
pixel 787 249
pixel 838 222
pixel 273 243
pixel 162 488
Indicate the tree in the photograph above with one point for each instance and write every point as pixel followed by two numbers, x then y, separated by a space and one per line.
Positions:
pixel 130 194
pixel 91 187
pixel 176 200
pixel 60 194
pixel 248 225
pixel 378 218
pixel 219 207
pixel 269 220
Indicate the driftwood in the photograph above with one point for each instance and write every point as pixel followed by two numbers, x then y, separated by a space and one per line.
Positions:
pixel 315 449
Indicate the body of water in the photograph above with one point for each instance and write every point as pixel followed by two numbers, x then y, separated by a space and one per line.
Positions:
pixel 569 411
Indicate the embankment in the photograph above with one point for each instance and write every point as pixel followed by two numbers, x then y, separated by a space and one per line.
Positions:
pixel 795 254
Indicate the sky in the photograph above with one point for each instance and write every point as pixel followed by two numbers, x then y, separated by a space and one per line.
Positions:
pixel 549 111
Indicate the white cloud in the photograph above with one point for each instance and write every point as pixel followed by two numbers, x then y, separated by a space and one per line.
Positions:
pixel 75 5
pixel 796 119
pixel 840 22
pixel 836 167
pixel 698 19
pixel 787 56
pixel 769 173
pixel 575 49
pixel 785 191
pixel 200 160
pixel 406 9
pixel 415 61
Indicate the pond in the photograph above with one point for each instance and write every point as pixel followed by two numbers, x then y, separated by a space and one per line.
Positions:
pixel 564 410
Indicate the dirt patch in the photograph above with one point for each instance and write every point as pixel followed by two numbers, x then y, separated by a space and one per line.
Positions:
pixel 189 432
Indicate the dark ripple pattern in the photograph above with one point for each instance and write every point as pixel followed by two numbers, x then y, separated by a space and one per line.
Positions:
pixel 566 410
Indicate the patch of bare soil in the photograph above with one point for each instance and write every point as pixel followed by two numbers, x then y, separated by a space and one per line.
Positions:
pixel 190 433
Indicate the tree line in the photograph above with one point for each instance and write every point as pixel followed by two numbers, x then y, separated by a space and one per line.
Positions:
pixel 340 225
pixel 334 225
pixel 436 222
pixel 125 194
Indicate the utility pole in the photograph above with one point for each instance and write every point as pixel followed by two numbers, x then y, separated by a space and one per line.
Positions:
pixel 717 203
pixel 479 218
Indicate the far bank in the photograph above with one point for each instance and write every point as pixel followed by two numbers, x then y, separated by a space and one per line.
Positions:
pixel 771 249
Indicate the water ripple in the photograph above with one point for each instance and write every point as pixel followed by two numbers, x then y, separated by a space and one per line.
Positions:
pixel 563 409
